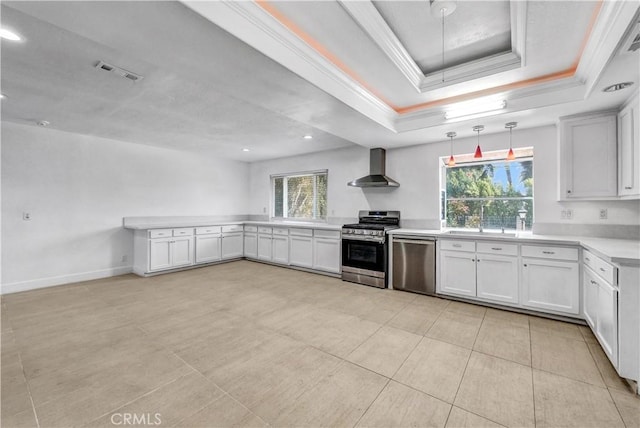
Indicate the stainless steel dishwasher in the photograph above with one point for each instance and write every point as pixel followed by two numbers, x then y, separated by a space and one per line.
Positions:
pixel 414 264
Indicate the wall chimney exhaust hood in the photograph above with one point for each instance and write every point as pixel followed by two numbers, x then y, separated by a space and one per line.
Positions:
pixel 376 177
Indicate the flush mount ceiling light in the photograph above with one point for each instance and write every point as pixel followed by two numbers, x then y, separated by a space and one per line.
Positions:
pixel 478 129
pixel 308 137
pixel 617 87
pixel 475 109
pixel 246 150
pixel 9 35
pixel 43 123
pixel 510 126
pixel 2 96
pixel 439 10
pixel 452 160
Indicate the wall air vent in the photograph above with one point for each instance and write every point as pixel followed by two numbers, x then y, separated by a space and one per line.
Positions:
pixel 101 65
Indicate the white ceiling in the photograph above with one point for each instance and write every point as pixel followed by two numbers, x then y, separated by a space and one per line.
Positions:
pixel 220 76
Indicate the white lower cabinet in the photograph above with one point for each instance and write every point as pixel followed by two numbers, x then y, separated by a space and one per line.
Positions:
pixel 265 244
pixel 208 248
pixel 458 273
pixel 327 250
pixel 280 246
pixel 163 249
pixel 497 278
pixel 550 278
pixel 600 299
pixel 232 246
pixel 301 247
pixel 251 242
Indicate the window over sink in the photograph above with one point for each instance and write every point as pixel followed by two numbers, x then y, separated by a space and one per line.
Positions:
pixel 491 193
pixel 299 196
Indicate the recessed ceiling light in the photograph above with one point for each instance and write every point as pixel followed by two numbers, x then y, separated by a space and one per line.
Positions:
pixel 308 137
pixel 246 150
pixel 2 97
pixel 44 123
pixel 617 87
pixel 9 35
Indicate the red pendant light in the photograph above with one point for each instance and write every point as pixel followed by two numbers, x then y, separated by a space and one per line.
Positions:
pixel 452 160
pixel 478 153
pixel 510 126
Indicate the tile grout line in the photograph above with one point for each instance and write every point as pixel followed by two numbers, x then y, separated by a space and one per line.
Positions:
pixel 464 372
pixel 26 381
pixel 371 404
pixel 533 384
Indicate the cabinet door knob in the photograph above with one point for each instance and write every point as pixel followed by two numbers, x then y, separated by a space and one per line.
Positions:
pixel 628 187
pixel 593 282
pixel 525 265
pixel 568 191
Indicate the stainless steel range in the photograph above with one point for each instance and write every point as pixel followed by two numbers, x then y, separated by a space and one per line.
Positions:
pixel 365 247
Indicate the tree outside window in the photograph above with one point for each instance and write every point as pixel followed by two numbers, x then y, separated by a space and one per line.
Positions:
pixel 301 196
pixel 493 192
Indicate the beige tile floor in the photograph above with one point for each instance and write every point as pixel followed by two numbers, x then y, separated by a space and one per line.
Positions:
pixel 248 344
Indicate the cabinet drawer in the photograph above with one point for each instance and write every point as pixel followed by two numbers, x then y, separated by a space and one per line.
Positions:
pixel 547 252
pixel 280 231
pixel 264 230
pixel 320 233
pixel 160 233
pixel 301 232
pixel 603 268
pixel 498 248
pixel 183 231
pixel 233 228
pixel 457 245
pixel 248 228
pixel 208 230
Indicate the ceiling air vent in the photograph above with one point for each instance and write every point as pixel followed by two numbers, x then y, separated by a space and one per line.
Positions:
pixel 632 40
pixel 101 65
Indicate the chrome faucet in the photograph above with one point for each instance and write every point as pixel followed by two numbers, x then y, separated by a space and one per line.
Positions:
pixel 481 217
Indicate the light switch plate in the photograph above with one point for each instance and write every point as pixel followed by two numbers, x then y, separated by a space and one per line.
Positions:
pixel 603 213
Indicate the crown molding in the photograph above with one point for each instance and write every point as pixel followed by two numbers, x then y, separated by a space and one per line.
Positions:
pixel 255 26
pixel 367 16
pixel 610 27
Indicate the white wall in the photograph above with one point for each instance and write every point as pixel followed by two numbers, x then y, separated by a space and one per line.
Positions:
pixel 78 189
pixel 417 168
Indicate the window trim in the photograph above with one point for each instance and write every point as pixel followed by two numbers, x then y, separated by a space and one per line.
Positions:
pixel 286 176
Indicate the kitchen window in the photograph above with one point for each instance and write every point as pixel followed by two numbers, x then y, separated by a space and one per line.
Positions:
pixel 492 193
pixel 299 196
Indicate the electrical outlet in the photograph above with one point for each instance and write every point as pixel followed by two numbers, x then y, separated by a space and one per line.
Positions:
pixel 569 214
pixel 264 210
pixel 124 258
pixel 566 214
pixel 603 213
pixel 26 216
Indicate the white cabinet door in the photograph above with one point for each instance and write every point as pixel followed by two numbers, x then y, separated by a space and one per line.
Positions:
pixel 497 278
pixel 207 248
pixel 264 247
pixel 326 254
pixel 629 150
pixel 590 297
pixel 458 273
pixel 607 325
pixel 551 285
pixel 588 157
pixel 159 254
pixel 182 252
pixel 301 251
pixel 281 249
pixel 251 245
pixel 232 247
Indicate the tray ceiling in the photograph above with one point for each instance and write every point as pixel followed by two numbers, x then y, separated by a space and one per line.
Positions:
pixel 221 76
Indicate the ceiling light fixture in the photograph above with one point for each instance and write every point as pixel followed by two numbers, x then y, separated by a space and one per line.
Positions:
pixel 2 96
pixel 440 9
pixel 308 137
pixel 245 150
pixel 452 160
pixel 478 153
pixel 617 87
pixel 475 109
pixel 510 126
pixel 43 123
pixel 9 35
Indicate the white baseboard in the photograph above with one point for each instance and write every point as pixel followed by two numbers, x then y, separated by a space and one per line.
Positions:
pixel 15 287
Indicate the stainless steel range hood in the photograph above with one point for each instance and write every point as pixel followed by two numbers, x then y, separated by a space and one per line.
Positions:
pixel 376 177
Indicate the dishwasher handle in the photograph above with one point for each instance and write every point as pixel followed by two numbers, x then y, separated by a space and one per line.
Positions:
pixel 414 241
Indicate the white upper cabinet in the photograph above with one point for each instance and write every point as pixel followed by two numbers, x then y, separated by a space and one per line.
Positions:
pixel 588 157
pixel 629 150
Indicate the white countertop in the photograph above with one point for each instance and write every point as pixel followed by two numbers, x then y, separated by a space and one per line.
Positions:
pixel 301 224
pixel 173 223
pixel 619 251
